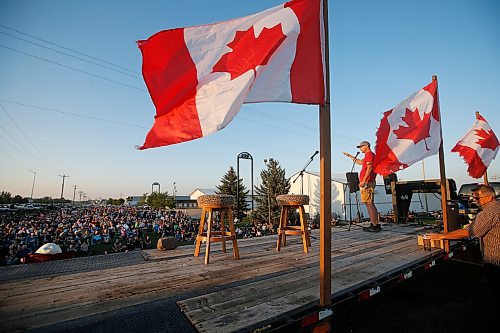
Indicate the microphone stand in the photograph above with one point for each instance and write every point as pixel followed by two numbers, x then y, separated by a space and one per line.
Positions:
pixel 301 174
pixel 358 215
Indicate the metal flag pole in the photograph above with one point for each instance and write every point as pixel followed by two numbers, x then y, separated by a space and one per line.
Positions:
pixel 325 171
pixel 485 176
pixel 442 172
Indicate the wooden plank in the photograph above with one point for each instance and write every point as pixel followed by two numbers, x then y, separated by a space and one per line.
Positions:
pixel 46 300
pixel 241 291
pixel 240 297
pixel 82 279
pixel 269 309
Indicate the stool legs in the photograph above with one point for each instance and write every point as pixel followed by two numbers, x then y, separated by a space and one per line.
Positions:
pixel 209 232
pixel 233 235
pixel 200 232
pixel 306 239
pixel 218 236
pixel 284 229
pixel 223 231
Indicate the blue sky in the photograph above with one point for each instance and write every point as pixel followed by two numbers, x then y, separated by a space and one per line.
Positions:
pixel 61 115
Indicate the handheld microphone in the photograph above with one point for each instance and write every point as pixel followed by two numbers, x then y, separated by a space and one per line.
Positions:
pixel 356 154
pixel 316 153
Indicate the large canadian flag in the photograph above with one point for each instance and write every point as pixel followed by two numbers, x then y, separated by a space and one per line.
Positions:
pixel 409 132
pixel 199 77
pixel 478 147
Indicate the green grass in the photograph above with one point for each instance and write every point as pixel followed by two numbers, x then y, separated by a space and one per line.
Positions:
pixel 102 248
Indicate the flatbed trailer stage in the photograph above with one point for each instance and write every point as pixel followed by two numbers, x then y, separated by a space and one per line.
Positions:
pixel 174 291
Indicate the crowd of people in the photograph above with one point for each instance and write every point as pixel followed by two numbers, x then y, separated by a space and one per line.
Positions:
pixel 83 231
pixel 80 230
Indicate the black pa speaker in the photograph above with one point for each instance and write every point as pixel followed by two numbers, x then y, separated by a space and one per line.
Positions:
pixel 387 182
pixel 352 181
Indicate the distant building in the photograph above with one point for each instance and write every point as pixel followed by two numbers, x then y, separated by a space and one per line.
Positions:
pixel 181 201
pixel 201 191
pixel 133 200
pixel 184 202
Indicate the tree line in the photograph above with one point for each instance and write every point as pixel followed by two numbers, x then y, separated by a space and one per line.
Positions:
pixel 273 183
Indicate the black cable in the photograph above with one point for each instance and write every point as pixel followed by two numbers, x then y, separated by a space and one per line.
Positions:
pixel 73 114
pixel 27 138
pixel 68 49
pixel 72 56
pixel 72 68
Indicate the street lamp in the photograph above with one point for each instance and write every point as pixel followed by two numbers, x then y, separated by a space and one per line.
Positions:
pixel 245 156
pixel 153 185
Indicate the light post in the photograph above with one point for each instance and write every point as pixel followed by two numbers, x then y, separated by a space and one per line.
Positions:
pixel 153 185
pixel 33 186
pixel 245 156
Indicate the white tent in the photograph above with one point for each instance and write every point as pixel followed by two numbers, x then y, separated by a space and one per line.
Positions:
pixel 344 203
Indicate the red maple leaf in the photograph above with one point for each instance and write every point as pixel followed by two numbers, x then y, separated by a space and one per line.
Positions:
pixel 488 139
pixel 249 52
pixel 417 130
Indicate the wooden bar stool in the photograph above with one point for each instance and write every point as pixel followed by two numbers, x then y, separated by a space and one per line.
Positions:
pixel 210 204
pixel 293 201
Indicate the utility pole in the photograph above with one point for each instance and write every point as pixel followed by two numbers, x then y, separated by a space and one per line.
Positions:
pixel 62 187
pixel 174 192
pixel 33 186
pixel 74 193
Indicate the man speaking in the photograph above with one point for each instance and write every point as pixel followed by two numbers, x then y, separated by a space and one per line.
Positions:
pixel 367 183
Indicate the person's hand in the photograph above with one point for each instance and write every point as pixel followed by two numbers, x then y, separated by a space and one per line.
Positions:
pixel 347 154
pixel 435 236
pixel 362 185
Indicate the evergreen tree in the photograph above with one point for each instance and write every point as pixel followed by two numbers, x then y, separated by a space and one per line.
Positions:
pixel 228 186
pixel 160 200
pixel 273 184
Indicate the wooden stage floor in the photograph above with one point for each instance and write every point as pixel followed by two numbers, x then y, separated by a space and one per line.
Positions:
pixel 227 294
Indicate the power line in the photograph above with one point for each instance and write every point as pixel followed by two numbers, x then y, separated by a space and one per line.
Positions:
pixel 72 114
pixel 26 154
pixel 73 68
pixel 267 149
pixel 68 49
pixel 26 137
pixel 294 123
pixel 22 163
pixel 274 117
pixel 72 56
pixel 277 127
pixel 14 158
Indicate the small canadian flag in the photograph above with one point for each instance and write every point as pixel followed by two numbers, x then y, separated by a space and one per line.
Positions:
pixel 409 132
pixel 478 147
